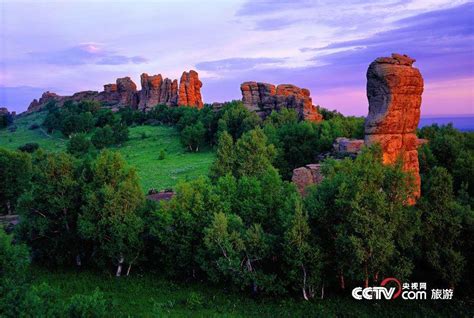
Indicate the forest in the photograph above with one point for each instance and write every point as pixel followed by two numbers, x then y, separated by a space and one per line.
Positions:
pixel 242 226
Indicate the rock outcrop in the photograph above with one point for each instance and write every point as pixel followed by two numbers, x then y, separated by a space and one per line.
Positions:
pixel 306 176
pixel 190 90
pixel 346 145
pixel 394 89
pixel 263 98
pixel 155 90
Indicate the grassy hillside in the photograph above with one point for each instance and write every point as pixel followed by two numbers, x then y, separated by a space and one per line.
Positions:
pixel 141 151
pixel 149 295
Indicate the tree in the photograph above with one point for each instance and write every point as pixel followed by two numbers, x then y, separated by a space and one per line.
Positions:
pixel 103 137
pixel 236 119
pixel 109 216
pixel 225 157
pixel 442 225
pixel 302 255
pixel 29 147
pixel 253 154
pixel 193 136
pixel 178 227
pixel 79 145
pixel 15 174
pixel 356 214
pixel 14 263
pixel 49 210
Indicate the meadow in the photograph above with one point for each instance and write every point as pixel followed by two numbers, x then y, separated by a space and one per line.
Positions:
pixel 141 151
pixel 150 295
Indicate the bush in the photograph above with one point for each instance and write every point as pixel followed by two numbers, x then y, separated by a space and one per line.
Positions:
pixel 79 145
pixel 33 127
pixel 89 306
pixel 162 155
pixel 29 147
pixel 103 137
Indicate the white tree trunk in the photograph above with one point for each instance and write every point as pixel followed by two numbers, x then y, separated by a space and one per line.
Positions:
pixel 119 267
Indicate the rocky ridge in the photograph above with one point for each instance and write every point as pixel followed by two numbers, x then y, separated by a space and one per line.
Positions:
pixel 155 90
pixel 263 98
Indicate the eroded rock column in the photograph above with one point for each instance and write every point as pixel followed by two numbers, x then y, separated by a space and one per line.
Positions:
pixel 394 89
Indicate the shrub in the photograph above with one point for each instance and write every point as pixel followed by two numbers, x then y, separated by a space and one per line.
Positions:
pixel 162 155
pixel 29 147
pixel 89 306
pixel 33 127
pixel 79 145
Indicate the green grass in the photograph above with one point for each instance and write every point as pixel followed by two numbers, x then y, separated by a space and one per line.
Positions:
pixel 23 135
pixel 140 153
pixel 143 154
pixel 151 296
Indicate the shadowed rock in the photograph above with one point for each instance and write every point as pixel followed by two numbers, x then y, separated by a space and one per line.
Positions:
pixel 263 98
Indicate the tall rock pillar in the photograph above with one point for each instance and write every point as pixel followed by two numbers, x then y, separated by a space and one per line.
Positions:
pixel 394 89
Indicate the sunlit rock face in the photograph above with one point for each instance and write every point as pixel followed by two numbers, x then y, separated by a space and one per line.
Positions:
pixel 306 176
pixel 394 89
pixel 155 90
pixel 263 98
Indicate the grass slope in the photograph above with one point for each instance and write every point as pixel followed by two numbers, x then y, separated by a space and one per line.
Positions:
pixel 152 296
pixel 141 151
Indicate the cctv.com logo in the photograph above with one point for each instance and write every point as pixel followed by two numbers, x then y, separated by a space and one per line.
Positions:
pixel 391 288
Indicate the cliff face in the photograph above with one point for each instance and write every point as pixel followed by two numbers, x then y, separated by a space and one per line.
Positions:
pixel 394 89
pixel 155 90
pixel 263 98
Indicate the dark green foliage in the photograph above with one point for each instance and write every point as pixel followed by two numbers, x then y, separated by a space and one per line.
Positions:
pixel 79 145
pixel 103 137
pixel 192 137
pixel 14 262
pixel 49 210
pixel 442 220
pixel 236 119
pixel 87 306
pixel 356 213
pixel 15 174
pixel 225 159
pixel 6 120
pixel 109 214
pixel 29 147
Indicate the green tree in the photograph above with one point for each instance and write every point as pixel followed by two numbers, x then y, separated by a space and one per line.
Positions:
pixel 193 136
pixel 225 157
pixel 79 145
pixel 253 155
pixel 355 213
pixel 14 264
pixel 442 225
pixel 49 210
pixel 109 216
pixel 103 137
pixel 302 255
pixel 236 120
pixel 15 174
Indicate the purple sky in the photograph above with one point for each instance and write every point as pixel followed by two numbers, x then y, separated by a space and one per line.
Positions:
pixel 69 45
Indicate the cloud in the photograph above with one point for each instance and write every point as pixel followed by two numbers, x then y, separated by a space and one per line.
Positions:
pixel 86 53
pixel 441 41
pixel 259 7
pixel 238 64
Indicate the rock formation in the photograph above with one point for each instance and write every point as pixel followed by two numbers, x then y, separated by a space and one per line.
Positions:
pixel 346 145
pixel 263 98
pixel 306 176
pixel 155 90
pixel 190 90
pixel 394 89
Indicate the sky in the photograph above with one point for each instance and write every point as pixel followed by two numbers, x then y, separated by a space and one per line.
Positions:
pixel 67 46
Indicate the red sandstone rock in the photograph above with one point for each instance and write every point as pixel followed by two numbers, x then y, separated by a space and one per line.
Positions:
pixel 263 98
pixel 306 176
pixel 394 89
pixel 189 93
pixel 155 90
pixel 346 145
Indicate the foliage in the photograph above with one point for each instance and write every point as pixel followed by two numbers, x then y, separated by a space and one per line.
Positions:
pixel 29 147
pixel 15 174
pixel 356 213
pixel 79 145
pixel 109 214
pixel 442 224
pixel 49 210
pixel 193 136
